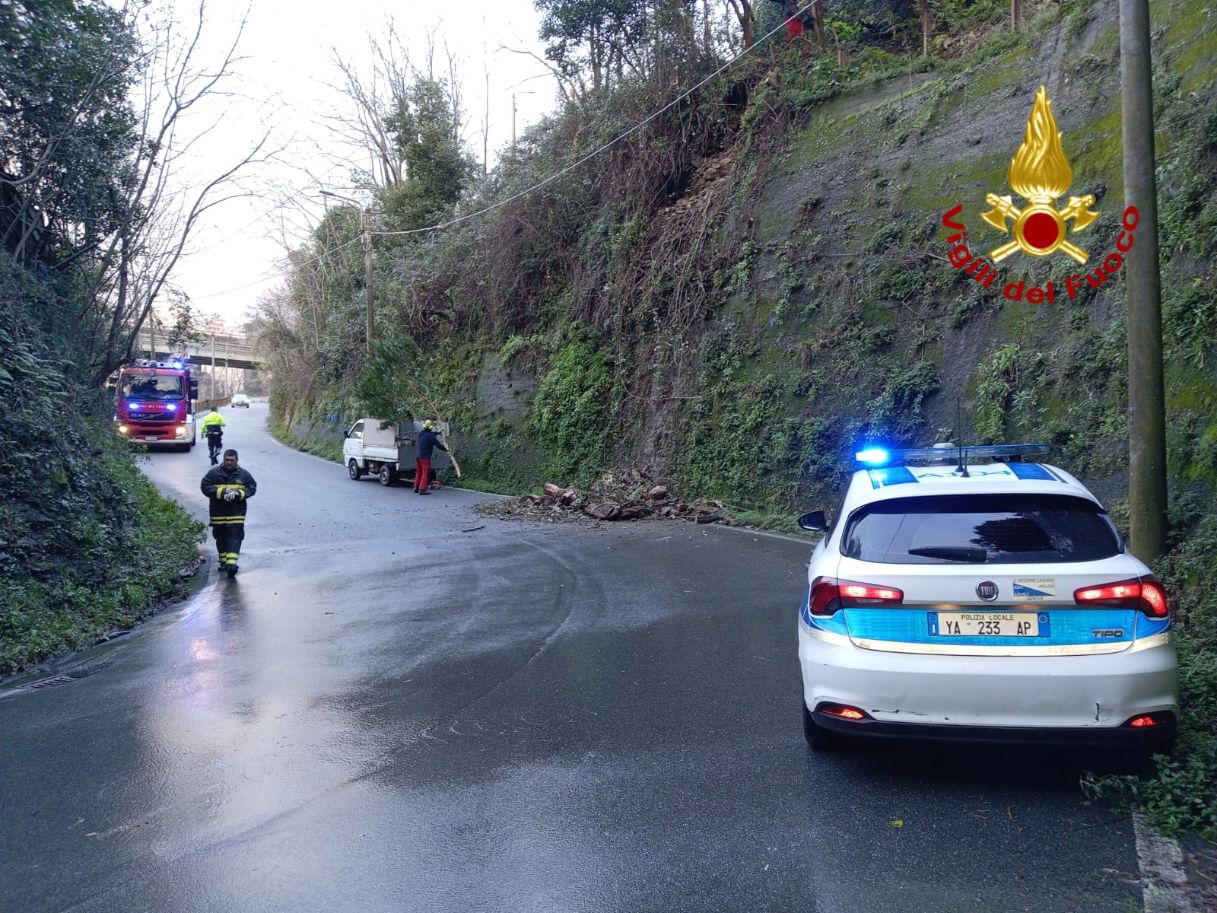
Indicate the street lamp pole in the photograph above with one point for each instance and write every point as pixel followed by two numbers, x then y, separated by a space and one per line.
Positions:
pixel 213 361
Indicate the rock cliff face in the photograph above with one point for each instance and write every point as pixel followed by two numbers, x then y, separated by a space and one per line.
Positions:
pixel 797 291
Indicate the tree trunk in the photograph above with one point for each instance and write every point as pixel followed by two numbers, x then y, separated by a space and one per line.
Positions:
pixel 925 28
pixel 817 19
pixel 743 12
pixel 1015 12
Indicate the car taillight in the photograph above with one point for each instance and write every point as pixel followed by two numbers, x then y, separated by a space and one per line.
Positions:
pixel 843 712
pixel 829 595
pixel 1145 594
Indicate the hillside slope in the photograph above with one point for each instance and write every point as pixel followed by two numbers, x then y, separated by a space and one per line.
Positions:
pixel 735 298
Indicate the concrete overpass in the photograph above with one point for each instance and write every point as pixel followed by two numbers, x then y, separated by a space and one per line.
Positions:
pixel 221 349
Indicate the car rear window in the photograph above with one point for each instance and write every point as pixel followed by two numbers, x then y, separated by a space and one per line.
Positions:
pixel 994 529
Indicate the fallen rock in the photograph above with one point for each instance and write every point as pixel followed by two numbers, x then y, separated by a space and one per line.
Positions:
pixel 603 510
pixel 629 494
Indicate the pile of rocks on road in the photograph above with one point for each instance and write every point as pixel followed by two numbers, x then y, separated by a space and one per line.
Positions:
pixel 628 495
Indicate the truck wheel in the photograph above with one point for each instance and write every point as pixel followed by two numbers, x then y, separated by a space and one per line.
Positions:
pixel 354 471
pixel 387 475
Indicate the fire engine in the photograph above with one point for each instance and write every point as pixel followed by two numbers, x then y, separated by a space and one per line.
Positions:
pixel 154 403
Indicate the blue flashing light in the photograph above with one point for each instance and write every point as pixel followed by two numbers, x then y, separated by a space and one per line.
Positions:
pixel 134 406
pixel 873 456
pixel 172 407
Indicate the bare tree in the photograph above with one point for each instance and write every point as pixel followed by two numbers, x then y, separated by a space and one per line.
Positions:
pixel 363 123
pixel 744 13
pixel 162 210
pixel 373 91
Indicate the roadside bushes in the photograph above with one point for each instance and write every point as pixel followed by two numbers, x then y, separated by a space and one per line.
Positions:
pixel 86 544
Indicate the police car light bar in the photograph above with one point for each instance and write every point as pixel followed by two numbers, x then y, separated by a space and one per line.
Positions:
pixel 875 457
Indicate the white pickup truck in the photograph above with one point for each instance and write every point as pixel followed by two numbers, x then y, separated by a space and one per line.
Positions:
pixel 387 450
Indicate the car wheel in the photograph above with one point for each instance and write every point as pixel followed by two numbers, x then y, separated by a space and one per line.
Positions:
pixel 819 738
pixel 387 475
pixel 354 471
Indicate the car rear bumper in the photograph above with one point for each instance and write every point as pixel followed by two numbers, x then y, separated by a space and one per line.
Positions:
pixel 1159 735
pixel 1077 699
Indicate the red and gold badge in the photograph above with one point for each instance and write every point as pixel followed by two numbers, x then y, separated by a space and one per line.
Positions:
pixel 1040 173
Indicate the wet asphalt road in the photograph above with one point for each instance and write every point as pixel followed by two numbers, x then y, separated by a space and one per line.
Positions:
pixel 389 710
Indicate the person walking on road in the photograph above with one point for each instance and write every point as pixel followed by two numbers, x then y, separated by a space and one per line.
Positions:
pixel 227 488
pixel 428 440
pixel 213 429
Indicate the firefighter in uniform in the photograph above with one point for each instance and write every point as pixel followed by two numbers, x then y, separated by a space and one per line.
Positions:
pixel 227 488
pixel 213 428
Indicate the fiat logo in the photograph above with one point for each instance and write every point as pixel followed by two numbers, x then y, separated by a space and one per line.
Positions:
pixel 986 590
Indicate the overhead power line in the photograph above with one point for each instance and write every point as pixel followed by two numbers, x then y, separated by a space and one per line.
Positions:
pixel 613 142
pixel 317 258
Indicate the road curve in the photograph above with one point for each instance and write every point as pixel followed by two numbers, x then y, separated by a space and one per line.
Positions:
pixel 401 705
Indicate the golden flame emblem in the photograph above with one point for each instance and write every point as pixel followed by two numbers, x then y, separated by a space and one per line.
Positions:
pixel 1040 173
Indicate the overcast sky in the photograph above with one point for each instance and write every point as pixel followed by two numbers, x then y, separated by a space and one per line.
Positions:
pixel 281 85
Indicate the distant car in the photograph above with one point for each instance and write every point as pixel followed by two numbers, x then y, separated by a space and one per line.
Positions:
pixel 240 400
pixel 989 601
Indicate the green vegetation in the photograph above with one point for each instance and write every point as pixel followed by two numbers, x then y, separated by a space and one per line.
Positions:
pixel 86 544
pixel 570 415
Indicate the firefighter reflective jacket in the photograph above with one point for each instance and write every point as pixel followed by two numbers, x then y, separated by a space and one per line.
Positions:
pixel 212 418
pixel 220 480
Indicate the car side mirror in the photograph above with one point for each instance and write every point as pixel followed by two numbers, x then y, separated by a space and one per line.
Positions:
pixel 814 522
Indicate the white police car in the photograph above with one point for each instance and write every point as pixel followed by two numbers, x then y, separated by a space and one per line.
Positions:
pixel 981 600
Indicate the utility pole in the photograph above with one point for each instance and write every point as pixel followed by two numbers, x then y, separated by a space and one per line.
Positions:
pixel 367 270
pixel 1146 387
pixel 513 116
pixel 365 224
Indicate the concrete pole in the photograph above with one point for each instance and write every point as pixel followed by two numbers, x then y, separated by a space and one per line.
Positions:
pixel 367 281
pixel 1147 494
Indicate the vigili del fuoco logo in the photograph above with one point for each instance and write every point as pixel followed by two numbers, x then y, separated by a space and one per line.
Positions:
pixel 1040 174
